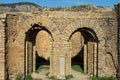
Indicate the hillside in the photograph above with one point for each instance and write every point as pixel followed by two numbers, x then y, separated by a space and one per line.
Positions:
pixel 85 8
pixel 28 7
pixel 19 7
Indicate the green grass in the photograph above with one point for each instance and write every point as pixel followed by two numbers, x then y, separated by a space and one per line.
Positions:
pixel 68 77
pixel 37 79
pixel 103 78
pixel 77 68
pixel 52 78
pixel 28 77
pixel 19 76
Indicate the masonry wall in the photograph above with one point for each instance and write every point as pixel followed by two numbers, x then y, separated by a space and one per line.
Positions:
pixel 104 24
pixel 14 47
pixel 117 9
pixel 2 46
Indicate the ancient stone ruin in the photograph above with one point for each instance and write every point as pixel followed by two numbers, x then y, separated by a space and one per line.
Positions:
pixel 59 36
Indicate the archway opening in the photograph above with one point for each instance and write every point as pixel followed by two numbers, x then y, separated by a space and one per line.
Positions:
pixel 40 61
pixel 78 59
pixel 84 53
pixel 37 48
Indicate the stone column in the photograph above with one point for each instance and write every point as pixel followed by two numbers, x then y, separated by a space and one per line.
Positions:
pixel 90 58
pixel 61 67
pixel 51 61
pixel 95 59
pixel 34 59
pixel 68 58
pixel 2 53
pixel 60 55
pixel 30 57
pixel 26 52
pixel 85 58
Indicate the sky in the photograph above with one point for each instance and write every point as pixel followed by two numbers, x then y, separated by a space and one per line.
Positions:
pixel 62 3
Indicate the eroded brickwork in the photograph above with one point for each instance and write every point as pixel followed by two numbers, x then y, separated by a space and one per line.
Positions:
pixel 2 46
pixel 57 35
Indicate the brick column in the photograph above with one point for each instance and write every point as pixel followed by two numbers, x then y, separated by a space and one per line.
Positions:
pixel 2 52
pixel 85 58
pixel 95 59
pixel 90 52
pixel 60 55
pixel 30 57
pixel 51 62
pixel 34 59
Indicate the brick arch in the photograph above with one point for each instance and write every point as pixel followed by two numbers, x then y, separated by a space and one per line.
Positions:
pixel 91 24
pixel 52 27
pixel 39 27
pixel 31 48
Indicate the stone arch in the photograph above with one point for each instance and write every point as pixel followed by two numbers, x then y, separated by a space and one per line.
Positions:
pixel 91 24
pixel 85 50
pixel 30 46
pixel 39 27
pixel 94 29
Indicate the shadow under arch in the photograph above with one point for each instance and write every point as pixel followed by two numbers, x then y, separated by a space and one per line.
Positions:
pixel 88 30
pixel 87 57
pixel 29 51
pixel 37 28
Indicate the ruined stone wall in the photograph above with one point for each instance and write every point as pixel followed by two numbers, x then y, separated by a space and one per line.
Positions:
pixel 14 46
pixel 109 55
pixel 2 46
pixel 61 25
pixel 117 10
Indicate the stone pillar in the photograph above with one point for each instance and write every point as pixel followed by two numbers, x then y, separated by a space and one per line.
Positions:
pixel 68 58
pixel 34 59
pixel 30 58
pixel 90 57
pixel 60 58
pixel 95 59
pixel 26 52
pixel 117 9
pixel 51 62
pixel 2 52
pixel 51 65
pixel 61 67
pixel 85 58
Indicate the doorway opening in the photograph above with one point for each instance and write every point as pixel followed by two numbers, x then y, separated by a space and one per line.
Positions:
pixel 86 50
pixel 78 59
pixel 37 48
pixel 41 62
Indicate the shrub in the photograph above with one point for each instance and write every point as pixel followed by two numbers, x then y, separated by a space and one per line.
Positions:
pixel 52 77
pixel 47 74
pixel 77 68
pixel 28 77
pixel 69 77
pixel 19 77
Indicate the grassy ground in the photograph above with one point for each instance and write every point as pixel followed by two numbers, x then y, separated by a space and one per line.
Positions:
pixel 77 68
pixel 103 78
pixel 69 77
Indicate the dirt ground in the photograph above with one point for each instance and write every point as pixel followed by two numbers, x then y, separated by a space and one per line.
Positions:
pixel 42 75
